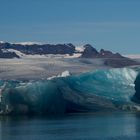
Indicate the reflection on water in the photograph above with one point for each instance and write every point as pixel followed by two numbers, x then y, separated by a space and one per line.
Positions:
pixel 116 126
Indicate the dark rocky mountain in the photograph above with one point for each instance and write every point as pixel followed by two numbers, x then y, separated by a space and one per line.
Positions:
pixel 40 49
pixel 110 59
pixel 90 52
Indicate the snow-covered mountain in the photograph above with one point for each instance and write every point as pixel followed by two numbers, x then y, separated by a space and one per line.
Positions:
pixel 39 50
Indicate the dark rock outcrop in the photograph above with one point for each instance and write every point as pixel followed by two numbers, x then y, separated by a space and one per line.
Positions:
pixel 89 52
pixel 108 54
pixel 8 54
pixel 120 62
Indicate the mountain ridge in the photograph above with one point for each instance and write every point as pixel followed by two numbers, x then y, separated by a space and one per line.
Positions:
pixel 9 50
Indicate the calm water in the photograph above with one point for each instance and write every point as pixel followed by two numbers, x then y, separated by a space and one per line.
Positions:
pixel 116 126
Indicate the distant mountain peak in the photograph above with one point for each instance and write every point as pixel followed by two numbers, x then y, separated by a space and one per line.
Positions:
pixel 89 51
pixel 68 50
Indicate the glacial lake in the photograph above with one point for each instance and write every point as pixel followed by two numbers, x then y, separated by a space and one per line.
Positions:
pixel 99 126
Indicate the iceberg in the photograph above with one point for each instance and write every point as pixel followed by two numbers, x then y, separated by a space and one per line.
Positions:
pixel 98 90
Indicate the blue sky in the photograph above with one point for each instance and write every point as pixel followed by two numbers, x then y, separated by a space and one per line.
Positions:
pixel 108 24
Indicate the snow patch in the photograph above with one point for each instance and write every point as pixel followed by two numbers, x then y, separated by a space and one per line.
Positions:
pixel 1 42
pixel 75 55
pixel 79 48
pixel 133 56
pixel 28 43
pixel 17 52
pixel 63 74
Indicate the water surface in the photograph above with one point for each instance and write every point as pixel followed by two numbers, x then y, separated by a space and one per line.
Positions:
pixel 100 126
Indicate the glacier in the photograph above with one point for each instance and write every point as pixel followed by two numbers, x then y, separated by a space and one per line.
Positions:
pixel 98 90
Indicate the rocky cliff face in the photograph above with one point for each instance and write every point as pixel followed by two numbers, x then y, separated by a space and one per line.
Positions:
pixel 89 52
